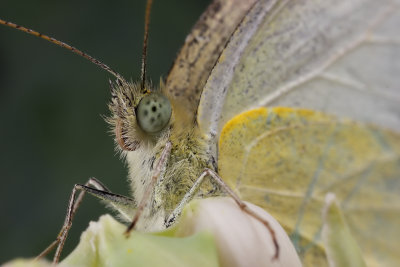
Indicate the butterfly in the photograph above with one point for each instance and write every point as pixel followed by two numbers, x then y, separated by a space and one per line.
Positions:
pixel 323 45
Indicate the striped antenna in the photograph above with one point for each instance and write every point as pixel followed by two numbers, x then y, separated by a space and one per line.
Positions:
pixel 64 45
pixel 144 51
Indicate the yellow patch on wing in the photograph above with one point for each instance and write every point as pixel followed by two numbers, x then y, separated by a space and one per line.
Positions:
pixel 286 160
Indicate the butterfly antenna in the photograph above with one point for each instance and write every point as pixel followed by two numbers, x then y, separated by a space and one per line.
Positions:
pixel 64 45
pixel 144 51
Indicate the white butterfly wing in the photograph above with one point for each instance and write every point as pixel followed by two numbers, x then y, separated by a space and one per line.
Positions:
pixel 340 57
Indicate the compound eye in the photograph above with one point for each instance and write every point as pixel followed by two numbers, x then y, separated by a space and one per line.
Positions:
pixel 153 113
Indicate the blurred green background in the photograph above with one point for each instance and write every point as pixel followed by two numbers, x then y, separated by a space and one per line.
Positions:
pixel 51 101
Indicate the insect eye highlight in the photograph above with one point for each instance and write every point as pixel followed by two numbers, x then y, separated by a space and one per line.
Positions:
pixel 153 113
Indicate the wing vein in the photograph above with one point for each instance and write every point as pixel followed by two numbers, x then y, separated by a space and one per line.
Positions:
pixel 362 38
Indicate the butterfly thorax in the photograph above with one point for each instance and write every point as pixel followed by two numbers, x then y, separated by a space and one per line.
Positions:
pixel 187 160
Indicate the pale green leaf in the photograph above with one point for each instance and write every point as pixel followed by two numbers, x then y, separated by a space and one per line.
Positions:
pixel 104 244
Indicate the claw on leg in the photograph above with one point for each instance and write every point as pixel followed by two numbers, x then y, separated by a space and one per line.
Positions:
pixel 191 193
pixel 94 187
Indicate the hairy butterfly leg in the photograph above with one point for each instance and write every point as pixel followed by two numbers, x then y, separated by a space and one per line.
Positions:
pixel 160 167
pixel 191 193
pixel 99 190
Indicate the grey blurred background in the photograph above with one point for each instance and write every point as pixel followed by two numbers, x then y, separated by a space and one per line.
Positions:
pixel 52 134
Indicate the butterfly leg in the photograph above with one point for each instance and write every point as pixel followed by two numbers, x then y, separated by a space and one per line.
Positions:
pixel 190 194
pixel 93 187
pixel 160 167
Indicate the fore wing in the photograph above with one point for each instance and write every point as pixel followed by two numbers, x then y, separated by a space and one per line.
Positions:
pixel 340 57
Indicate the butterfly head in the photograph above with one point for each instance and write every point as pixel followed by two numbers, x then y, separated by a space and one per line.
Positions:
pixel 138 114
